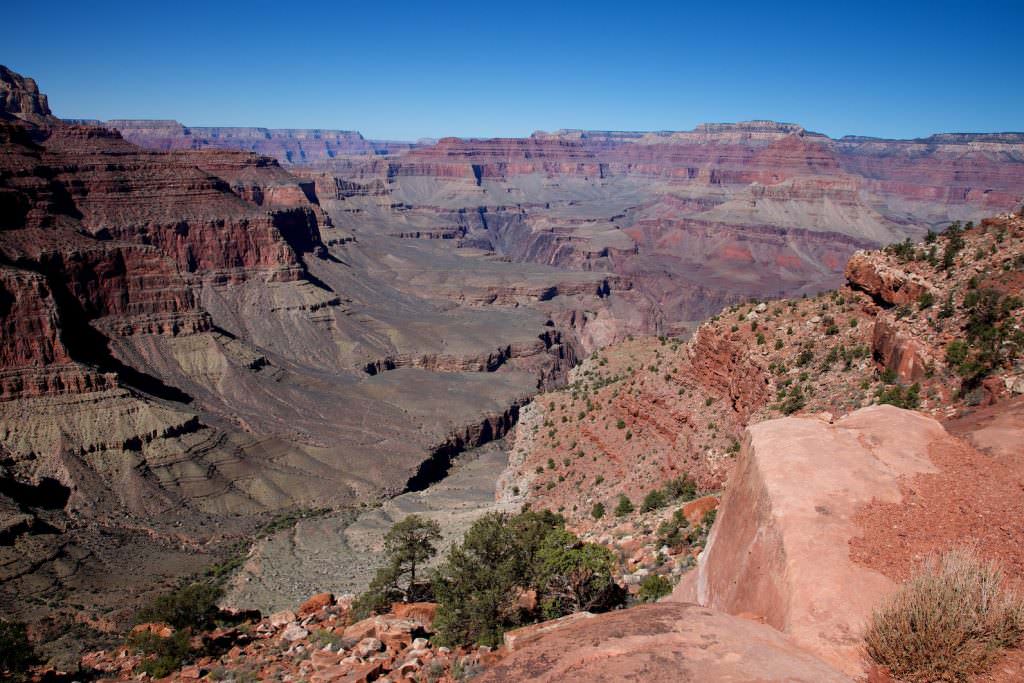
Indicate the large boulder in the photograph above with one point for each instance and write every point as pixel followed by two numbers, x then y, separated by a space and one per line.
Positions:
pixel 661 642
pixel 779 550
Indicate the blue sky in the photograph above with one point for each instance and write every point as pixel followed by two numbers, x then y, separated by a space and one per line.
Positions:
pixel 409 70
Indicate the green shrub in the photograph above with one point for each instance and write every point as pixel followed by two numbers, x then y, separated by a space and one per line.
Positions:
pixel 575 576
pixel 653 588
pixel 163 656
pixel 948 623
pixel 681 488
pixel 670 532
pixel 597 512
pixel 653 500
pixel 794 402
pixel 192 606
pixel 16 653
pixel 909 398
pixel 624 506
pixel 991 338
pixel 500 556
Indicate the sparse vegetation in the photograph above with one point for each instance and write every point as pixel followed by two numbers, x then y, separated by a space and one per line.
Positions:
pixel 163 655
pixel 624 506
pixel 193 606
pixel 949 622
pixel 653 500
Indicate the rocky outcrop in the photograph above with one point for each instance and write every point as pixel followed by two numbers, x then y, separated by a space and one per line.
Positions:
pixel 725 367
pixel 779 549
pixel 886 284
pixel 664 642
pixel 898 352
pixel 20 98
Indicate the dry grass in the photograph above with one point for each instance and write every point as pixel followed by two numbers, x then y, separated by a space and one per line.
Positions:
pixel 948 622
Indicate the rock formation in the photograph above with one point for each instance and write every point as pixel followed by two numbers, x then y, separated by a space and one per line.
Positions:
pixel 665 642
pixel 779 547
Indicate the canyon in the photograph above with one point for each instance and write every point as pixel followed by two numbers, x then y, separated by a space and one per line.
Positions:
pixel 213 332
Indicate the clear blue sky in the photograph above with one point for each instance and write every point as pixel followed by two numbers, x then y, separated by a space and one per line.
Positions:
pixel 406 70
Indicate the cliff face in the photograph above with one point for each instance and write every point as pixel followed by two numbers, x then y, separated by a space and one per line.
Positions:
pixel 20 99
pixel 696 220
pixel 779 548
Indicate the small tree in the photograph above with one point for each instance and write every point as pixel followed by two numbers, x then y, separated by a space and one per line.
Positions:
pixel 407 546
pixel 476 586
pixel 597 512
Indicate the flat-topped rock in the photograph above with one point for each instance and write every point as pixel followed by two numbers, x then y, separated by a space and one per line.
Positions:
pixel 662 642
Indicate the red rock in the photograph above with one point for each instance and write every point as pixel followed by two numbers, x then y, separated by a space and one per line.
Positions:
pixel 315 604
pixel 696 510
pixel 897 352
pixel 779 548
pixel 367 646
pixel 191 672
pixel 663 642
pixel 366 628
pixel 279 619
pixel 421 612
pixel 397 634
pixel 527 600
pixel 870 273
pixel 322 659
pixel 516 638
pixel 156 628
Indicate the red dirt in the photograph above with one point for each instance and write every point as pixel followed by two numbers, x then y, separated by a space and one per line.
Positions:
pixel 976 499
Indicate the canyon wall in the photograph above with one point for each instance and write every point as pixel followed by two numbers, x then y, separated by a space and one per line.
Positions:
pixel 693 220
